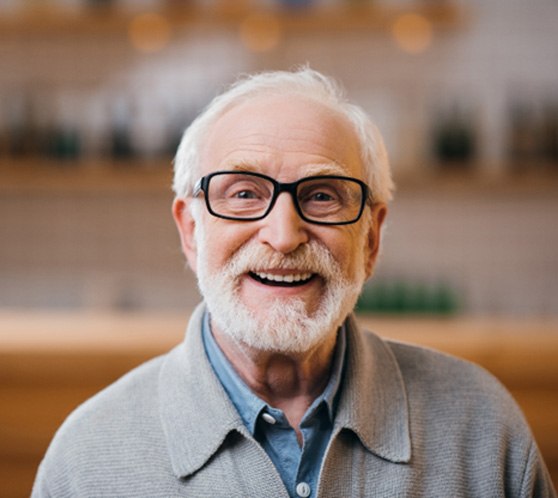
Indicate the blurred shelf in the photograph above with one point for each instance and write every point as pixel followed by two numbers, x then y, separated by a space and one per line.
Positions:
pixel 51 21
pixel 52 175
pixel 480 339
pixel 537 180
pixel 155 175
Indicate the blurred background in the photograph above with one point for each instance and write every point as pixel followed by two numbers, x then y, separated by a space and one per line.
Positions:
pixel 94 95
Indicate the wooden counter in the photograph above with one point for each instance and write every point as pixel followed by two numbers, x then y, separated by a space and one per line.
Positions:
pixel 51 361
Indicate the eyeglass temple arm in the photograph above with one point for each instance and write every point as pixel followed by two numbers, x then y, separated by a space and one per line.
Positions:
pixel 198 187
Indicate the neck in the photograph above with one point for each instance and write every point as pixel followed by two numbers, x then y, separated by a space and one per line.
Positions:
pixel 289 382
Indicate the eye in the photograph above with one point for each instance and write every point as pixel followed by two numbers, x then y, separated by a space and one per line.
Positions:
pixel 320 197
pixel 245 190
pixel 318 194
pixel 245 194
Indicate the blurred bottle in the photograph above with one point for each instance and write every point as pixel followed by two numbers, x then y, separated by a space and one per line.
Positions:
pixel 28 115
pixel 404 297
pixel 140 5
pixel 63 135
pixel 120 142
pixel 454 139
pixel 68 5
pixel 100 4
pixel 296 4
pixel 550 133
pixel 17 119
pixel 523 136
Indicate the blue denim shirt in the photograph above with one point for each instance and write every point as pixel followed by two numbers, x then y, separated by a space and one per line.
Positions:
pixel 299 467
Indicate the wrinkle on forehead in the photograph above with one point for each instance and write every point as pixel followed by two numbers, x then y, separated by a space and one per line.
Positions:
pixel 267 130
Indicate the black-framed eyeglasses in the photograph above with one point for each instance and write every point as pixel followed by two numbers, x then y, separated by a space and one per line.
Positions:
pixel 248 196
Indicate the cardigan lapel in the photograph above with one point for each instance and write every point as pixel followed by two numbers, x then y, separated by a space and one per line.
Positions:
pixel 373 402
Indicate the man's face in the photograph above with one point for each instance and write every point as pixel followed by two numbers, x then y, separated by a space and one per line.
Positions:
pixel 280 272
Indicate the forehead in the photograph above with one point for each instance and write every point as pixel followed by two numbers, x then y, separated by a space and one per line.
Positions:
pixel 286 135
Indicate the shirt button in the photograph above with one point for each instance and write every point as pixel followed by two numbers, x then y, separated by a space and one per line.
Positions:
pixel 303 489
pixel 268 418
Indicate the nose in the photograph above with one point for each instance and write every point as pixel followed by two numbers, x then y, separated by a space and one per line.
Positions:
pixel 283 229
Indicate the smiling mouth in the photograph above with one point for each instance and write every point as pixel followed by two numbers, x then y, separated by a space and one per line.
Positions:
pixel 290 280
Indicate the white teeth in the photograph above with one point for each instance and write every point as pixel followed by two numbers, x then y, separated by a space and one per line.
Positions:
pixel 297 277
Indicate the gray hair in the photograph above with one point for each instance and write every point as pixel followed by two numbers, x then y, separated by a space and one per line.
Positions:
pixel 306 82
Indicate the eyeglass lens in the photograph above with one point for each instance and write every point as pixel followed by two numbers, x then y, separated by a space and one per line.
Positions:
pixel 323 199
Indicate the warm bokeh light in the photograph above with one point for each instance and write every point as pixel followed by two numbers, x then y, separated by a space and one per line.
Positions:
pixel 149 32
pixel 412 33
pixel 260 32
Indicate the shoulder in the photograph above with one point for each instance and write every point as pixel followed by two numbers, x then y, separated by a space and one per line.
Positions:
pixel 438 383
pixel 108 435
pixel 459 412
pixel 442 371
pixel 445 374
pixel 456 398
pixel 133 393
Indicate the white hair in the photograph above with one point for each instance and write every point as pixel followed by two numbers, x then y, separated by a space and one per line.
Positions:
pixel 305 82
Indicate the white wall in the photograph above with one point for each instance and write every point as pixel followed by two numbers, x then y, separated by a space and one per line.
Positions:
pixel 496 247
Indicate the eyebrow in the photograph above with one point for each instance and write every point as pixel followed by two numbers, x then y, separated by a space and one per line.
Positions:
pixel 332 168
pixel 249 166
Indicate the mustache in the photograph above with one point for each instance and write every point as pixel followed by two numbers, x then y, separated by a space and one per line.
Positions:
pixel 311 257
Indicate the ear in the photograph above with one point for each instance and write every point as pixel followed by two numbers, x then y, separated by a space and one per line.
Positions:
pixel 186 227
pixel 378 214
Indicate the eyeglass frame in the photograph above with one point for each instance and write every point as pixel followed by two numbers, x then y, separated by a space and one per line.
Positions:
pixel 202 185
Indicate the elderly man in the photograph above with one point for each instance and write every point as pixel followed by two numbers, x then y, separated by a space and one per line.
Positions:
pixel 281 191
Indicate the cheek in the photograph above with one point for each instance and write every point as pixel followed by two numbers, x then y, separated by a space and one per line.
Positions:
pixel 221 241
pixel 347 251
pixel 348 245
pixel 355 256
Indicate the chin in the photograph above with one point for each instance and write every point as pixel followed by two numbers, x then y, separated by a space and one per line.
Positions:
pixel 282 325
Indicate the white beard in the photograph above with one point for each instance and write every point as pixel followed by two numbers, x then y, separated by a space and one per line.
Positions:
pixel 285 325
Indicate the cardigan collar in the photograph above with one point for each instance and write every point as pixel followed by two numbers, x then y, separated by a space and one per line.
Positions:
pixel 197 415
pixel 373 400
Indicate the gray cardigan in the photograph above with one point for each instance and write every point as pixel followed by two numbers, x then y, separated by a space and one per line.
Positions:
pixel 411 422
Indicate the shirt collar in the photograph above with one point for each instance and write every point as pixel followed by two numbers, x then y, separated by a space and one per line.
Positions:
pixel 197 415
pixel 249 405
